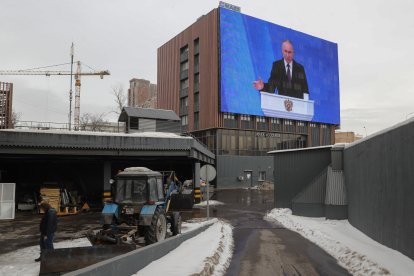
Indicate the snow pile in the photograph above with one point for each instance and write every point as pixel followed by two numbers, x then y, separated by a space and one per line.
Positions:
pixel 355 251
pixel 196 223
pixel 210 203
pixel 22 261
pixel 209 253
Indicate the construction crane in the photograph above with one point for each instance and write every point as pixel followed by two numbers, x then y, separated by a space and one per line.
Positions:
pixel 77 76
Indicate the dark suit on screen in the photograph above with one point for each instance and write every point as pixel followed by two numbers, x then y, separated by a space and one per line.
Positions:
pixel 279 80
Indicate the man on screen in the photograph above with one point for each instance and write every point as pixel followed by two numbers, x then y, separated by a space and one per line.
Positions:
pixel 287 76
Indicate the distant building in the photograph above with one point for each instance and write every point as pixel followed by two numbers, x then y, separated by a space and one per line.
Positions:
pixel 6 97
pixel 346 137
pixel 142 93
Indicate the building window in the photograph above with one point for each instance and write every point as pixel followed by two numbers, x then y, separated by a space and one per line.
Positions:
pixel 246 122
pixel 196 102
pixel 261 123
pixel 245 118
pixel 184 120
pixel 230 120
pixel 275 124
pixel 184 106
pixel 326 135
pixel 196 64
pixel 184 53
pixel 260 119
pixel 196 82
pixel 262 176
pixel 196 120
pixel 229 116
pixel 288 126
pixel 184 103
pixel 315 135
pixel 196 46
pixel 184 66
pixel 301 127
pixel 184 84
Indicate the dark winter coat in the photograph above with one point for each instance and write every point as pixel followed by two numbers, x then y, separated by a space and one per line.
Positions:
pixel 48 224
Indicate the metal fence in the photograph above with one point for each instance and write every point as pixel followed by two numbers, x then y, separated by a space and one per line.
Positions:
pixel 35 125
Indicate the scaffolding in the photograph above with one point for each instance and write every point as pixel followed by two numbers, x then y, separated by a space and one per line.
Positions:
pixel 6 96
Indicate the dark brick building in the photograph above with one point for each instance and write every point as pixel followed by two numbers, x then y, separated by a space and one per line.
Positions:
pixel 189 83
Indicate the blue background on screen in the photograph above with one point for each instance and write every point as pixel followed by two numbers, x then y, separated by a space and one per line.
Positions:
pixel 249 46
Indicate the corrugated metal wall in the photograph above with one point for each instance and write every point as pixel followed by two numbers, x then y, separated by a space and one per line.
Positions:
pixel 230 168
pixel 294 170
pixel 379 174
pixel 168 126
pixel 315 192
pixel 335 188
pixel 146 124
pixel 310 202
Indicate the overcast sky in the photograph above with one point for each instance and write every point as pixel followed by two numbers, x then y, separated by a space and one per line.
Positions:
pixel 375 40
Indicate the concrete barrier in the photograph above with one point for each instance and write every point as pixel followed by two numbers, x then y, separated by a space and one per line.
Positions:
pixel 129 263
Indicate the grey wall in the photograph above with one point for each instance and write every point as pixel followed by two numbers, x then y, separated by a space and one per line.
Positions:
pixel 230 167
pixel 379 175
pixel 168 126
pixel 294 170
pixel 129 263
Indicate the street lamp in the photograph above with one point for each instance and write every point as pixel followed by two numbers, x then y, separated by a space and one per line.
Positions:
pixel 365 131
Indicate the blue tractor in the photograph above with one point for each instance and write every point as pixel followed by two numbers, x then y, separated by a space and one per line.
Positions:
pixel 138 208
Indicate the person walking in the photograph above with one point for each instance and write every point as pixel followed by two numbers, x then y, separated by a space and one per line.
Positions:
pixel 47 227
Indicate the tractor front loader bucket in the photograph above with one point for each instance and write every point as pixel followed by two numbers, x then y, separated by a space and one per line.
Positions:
pixel 63 260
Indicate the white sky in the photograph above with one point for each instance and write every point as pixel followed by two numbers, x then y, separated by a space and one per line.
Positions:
pixel 374 41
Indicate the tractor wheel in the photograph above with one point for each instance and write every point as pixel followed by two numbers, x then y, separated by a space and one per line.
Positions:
pixel 176 224
pixel 158 229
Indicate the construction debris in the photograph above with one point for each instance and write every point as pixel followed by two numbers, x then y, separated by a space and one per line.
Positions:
pixel 65 203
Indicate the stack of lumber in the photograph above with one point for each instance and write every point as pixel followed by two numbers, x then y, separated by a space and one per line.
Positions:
pixel 52 196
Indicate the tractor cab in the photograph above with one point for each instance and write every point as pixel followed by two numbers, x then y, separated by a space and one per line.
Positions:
pixel 137 209
pixel 131 190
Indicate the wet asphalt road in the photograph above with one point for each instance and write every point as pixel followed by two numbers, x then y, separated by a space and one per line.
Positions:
pixel 261 247
pixel 23 231
pixel 267 248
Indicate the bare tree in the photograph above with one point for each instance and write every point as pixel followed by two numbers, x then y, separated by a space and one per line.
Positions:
pixel 120 98
pixel 15 118
pixel 92 122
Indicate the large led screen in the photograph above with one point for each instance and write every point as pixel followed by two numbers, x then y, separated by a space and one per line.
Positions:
pixel 256 78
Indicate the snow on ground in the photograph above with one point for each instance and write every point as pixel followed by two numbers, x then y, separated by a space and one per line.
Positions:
pixel 355 251
pixel 21 262
pixel 208 250
pixel 210 203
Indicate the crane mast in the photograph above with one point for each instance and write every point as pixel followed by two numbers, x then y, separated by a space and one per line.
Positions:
pixel 77 95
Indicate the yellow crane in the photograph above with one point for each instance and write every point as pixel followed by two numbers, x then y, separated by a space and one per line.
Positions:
pixel 77 75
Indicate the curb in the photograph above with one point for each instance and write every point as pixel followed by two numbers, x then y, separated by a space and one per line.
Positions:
pixel 131 262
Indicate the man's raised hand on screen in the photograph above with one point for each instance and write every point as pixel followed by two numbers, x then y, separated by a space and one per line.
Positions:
pixel 258 84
